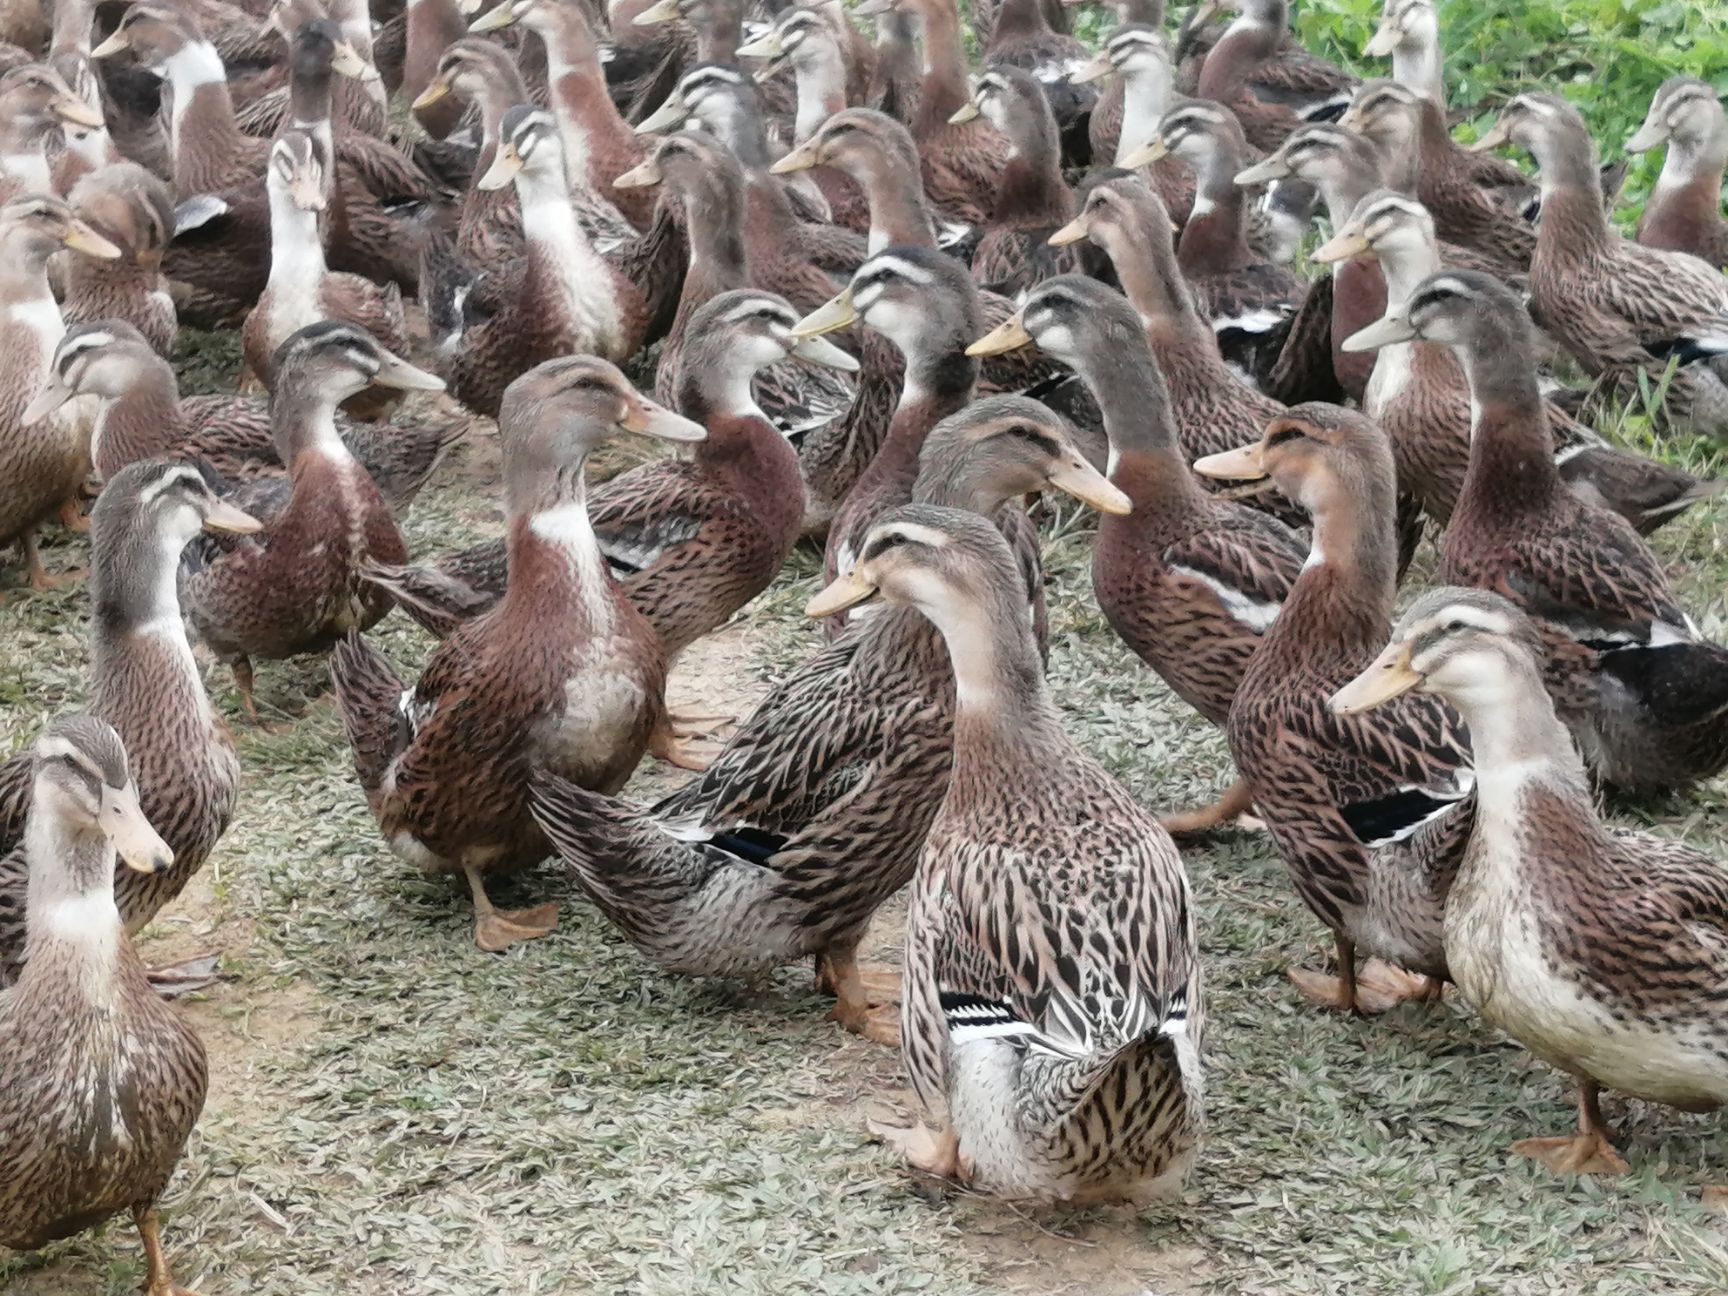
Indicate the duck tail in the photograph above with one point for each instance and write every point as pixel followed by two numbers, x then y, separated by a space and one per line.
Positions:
pixel 369 695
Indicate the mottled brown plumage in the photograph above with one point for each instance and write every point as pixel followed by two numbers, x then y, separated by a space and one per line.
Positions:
pixel 134 211
pixel 1684 210
pixel 1269 82
pixel 1136 63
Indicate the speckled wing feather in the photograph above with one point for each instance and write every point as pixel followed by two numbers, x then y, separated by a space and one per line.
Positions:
pixel 1303 370
pixel 369 695
pixel 16 779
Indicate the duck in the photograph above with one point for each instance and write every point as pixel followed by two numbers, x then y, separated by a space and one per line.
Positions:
pixel 1622 652
pixel 564 297
pixel 74 1150
pixel 133 210
pixel 1620 309
pixel 296 586
pixel 145 683
pixel 1425 161
pixel 1271 84
pixel 1409 34
pixel 1032 199
pixel 1051 960
pixel 961 161
pixel 1684 210
pixel 34 101
pixel 563 674
pixel 1022 37
pixel 431 27
pixel 689 540
pixel 1369 814
pixel 360 105
pixel 813 814
pixel 42 463
pixel 141 415
pixel 897 82
pixel 1599 950
pixel 1418 393
pixel 1187 580
pixel 302 289
pixel 1136 63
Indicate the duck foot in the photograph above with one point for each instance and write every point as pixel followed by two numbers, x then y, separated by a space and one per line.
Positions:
pixel 866 1003
pixel 1228 808
pixel 934 1152
pixel 244 680
pixel 183 978
pixel 682 750
pixel 1374 988
pixel 496 930
pixel 40 580
pixel 73 517
pixel 693 725
pixel 1589 1151
pixel 158 1281
pixel 1714 1198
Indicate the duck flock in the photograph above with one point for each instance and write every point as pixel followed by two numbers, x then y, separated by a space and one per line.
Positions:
pixel 878 295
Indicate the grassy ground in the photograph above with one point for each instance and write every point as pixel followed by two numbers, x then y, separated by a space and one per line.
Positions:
pixel 393 1111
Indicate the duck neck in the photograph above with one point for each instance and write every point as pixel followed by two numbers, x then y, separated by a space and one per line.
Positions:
pixel 296 247
pixel 1155 286
pixel 1688 192
pixel 1019 20
pixel 945 87
pixel 1032 193
pixel 309 95
pixel 1214 238
pixel 1516 740
pixel 202 135
pixel 1145 100
pixel 24 155
pixel 589 126
pixel 304 429
pixel 821 80
pixel 938 382
pixel 433 26
pixel 714 228
pixel 1343 189
pixel 1573 214
pixel 552 548
pixel 1510 444
pixel 1247 43
pixel 1146 459
pixel 73 928
pixel 1349 581
pixel 558 250
pixel 1001 707
pixel 70 33
pixel 898 214
pixel 1404 268
pixel 24 282
pixel 143 423
pixel 1418 64
pixel 720 32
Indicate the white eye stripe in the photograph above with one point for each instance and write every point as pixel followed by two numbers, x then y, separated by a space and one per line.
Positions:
pixel 867 297
pixel 178 476
pixel 755 306
pixel 895 266
pixel 79 343
pixel 917 533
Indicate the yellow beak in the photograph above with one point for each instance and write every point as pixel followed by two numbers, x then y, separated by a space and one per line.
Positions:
pixel 1273 168
pixel 801 158
pixel 1096 70
pixel 1346 243
pixel 435 91
pixel 71 108
pixel 1388 676
pixel 81 238
pixel 135 841
pixel 846 591
pixel 505 168
pixel 966 112
pixel 836 313
pixel 223 516
pixel 1385 40
pixel 1146 155
pixel 766 46
pixel 640 176
pixel 113 45
pixel 1245 463
pixel 664 11
pixel 494 19
pixel 1086 484
pixel 1072 232
pixel 1009 335
pixel 1382 332
pixel 1500 135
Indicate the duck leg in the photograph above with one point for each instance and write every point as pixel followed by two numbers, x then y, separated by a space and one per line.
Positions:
pixel 497 929
pixel 243 680
pixel 40 580
pixel 1377 987
pixel 73 517
pixel 933 1152
pixel 1236 802
pixel 183 978
pixel 158 1282
pixel 682 750
pixel 856 1008
pixel 1589 1151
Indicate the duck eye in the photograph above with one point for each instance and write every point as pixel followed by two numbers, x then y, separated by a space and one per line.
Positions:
pixel 1283 436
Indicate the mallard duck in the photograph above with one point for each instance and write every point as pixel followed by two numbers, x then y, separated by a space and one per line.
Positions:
pixel 690 540
pixel 134 211
pixel 1136 60
pixel 296 587
pixel 1599 950
pixel 1032 199
pixel 1370 814
pixel 1684 210
pixel 141 415
pixel 564 297
pixel 1642 691
pixel 361 105
pixel 961 161
pixel 1423 160
pixel 563 675
pixel 302 289
pixel 43 462
pixel 432 27
pixel 145 683
pixel 814 813
pixel 1618 307
pixel 1409 32
pixel 1273 86
pixel 1418 392
pixel 1051 965
pixel 897 83
pixel 1022 37
pixel 1190 582
pixel 34 99
pixel 76 1144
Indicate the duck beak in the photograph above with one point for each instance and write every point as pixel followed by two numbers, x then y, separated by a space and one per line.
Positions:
pixel 661 12
pixel 836 313
pixel 1499 136
pixel 307 194
pixel 70 108
pixel 1273 168
pixel 505 168
pixel 135 841
pixel 1072 232
pixel 817 351
pixel 495 19
pixel 348 62
pixel 52 396
pixel 1096 70
pixel 1155 151
pixel 437 89
pixel 1245 463
pixel 115 44
pixel 81 238
pixel 1207 12
pixel 1346 243
pixel 1648 136
pixel 845 592
pixel 1009 335
pixel 966 112
pixel 645 418
pixel 1086 484
pixel 641 176
pixel 801 158
pixel 1384 41
pixel 1389 676
pixel 1383 332
pixel 399 374
pixel 223 516
pixel 765 46
pixel 665 117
